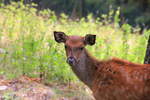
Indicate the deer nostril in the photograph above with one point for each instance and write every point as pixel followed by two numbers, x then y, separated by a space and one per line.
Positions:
pixel 70 60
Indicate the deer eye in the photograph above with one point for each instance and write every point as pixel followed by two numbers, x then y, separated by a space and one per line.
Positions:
pixel 81 48
pixel 65 47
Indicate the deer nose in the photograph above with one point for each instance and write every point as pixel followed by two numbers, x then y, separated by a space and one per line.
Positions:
pixel 70 60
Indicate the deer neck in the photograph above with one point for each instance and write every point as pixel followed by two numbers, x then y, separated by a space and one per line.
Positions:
pixel 85 68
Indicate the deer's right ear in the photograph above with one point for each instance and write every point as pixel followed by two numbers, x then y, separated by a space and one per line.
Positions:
pixel 60 37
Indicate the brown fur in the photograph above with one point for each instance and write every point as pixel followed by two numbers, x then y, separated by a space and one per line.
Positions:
pixel 118 79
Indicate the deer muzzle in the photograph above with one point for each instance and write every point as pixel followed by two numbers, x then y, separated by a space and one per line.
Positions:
pixel 71 61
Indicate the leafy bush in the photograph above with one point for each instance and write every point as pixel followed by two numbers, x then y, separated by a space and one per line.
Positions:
pixel 27 46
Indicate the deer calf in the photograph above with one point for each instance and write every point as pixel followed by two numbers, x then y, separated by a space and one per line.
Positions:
pixel 113 79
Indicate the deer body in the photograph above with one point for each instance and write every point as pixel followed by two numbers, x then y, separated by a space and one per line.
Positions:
pixel 121 80
pixel 113 79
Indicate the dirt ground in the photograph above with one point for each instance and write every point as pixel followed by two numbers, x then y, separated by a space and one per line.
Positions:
pixel 25 88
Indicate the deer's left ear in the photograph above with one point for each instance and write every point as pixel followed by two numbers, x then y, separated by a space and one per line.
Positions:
pixel 90 39
pixel 60 37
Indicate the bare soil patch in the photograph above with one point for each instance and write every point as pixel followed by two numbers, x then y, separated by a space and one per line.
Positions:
pixel 25 88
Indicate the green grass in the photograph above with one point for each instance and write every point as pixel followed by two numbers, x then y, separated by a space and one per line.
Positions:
pixel 27 45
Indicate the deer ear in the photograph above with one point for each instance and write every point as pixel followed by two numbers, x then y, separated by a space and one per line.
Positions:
pixel 90 39
pixel 60 37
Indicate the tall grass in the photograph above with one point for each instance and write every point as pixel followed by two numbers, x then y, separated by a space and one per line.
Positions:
pixel 27 46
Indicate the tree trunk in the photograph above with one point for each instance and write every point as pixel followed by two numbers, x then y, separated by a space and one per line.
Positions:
pixel 147 56
pixel 78 9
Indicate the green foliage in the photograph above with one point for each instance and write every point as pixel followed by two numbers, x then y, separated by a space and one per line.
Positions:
pixel 135 12
pixel 26 39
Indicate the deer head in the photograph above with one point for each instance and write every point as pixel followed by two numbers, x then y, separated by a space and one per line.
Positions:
pixel 74 45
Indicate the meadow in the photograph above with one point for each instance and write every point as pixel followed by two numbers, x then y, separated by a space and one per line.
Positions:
pixel 27 46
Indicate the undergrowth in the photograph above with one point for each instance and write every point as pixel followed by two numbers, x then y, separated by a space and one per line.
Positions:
pixel 27 46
